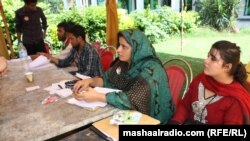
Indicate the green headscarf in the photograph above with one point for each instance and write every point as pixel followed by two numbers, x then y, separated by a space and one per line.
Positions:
pixel 144 83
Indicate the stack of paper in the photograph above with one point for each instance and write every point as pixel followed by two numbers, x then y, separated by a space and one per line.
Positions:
pixel 39 62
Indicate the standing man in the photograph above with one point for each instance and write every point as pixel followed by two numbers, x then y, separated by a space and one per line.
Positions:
pixel 31 25
pixel 82 54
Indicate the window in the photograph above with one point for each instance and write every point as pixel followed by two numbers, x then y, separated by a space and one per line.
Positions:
pixel 247 8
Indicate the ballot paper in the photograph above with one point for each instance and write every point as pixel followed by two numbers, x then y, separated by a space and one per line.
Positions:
pixel 32 88
pixel 39 62
pixel 93 105
pixel 63 93
pixel 59 89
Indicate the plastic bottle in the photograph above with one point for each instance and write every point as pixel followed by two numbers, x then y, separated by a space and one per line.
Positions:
pixel 22 51
pixel 23 55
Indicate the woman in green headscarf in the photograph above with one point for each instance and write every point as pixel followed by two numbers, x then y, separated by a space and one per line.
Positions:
pixel 138 73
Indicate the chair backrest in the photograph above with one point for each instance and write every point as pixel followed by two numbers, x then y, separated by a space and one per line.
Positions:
pixel 98 46
pixel 178 78
pixel 107 54
pixel 112 49
pixel 106 59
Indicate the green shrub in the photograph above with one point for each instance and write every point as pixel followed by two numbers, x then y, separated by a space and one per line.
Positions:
pixel 125 21
pixel 94 19
pixel 150 23
pixel 219 14
pixel 163 22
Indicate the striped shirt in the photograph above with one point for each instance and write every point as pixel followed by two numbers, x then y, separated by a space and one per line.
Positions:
pixel 87 61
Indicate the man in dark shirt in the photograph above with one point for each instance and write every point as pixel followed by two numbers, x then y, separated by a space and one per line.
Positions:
pixel 83 55
pixel 31 25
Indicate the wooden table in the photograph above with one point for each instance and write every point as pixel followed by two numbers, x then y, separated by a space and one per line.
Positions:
pixel 23 117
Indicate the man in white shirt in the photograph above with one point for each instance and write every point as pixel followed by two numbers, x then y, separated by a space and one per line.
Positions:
pixel 62 34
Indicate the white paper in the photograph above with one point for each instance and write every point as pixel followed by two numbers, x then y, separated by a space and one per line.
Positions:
pixel 43 66
pixel 39 62
pixel 64 92
pixel 85 104
pixel 56 86
pixel 82 76
pixel 32 88
pixel 93 105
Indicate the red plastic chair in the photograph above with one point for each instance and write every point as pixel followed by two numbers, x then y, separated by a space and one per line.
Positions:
pixel 178 78
pixel 107 54
pixel 106 59
pixel 112 49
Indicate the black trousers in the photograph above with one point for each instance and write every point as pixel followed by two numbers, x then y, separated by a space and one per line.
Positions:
pixel 33 48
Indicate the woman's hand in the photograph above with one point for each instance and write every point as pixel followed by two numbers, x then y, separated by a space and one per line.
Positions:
pixel 82 85
pixel 89 95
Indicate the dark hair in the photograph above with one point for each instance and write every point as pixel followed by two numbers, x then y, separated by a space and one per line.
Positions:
pixel 66 25
pixel 30 1
pixel 78 30
pixel 230 53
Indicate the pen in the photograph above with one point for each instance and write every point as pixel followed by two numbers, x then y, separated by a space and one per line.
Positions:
pixel 60 86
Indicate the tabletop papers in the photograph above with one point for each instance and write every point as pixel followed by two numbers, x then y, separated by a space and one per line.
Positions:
pixel 39 62
pixel 93 105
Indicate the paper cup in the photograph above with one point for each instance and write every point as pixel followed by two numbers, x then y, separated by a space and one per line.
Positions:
pixel 29 76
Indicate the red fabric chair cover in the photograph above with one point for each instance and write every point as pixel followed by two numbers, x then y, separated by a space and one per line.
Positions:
pixel 176 76
pixel 106 59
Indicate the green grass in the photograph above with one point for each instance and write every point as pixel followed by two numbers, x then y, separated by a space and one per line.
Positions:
pixel 197 44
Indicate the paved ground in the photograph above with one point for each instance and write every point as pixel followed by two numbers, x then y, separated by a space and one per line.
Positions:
pixel 243 23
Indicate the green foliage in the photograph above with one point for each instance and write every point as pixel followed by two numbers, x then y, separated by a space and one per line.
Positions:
pixel 94 19
pixel 52 38
pixel 163 22
pixel 10 6
pixel 125 21
pixel 73 15
pixel 150 23
pixel 219 14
